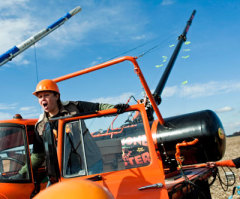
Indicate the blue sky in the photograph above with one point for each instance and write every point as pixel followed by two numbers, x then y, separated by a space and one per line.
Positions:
pixel 105 30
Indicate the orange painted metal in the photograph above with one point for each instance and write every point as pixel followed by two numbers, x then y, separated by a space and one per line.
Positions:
pixel 60 146
pixel 154 131
pixel 113 62
pixel 126 183
pixel 20 121
pixel 16 190
pixel 192 173
pixel 194 166
pixel 184 143
pixel 75 188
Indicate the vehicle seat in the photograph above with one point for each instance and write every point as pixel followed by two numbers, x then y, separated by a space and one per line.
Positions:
pixel 111 151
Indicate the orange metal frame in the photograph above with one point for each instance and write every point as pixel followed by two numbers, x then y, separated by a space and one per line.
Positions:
pixel 113 62
pixel 184 143
pixel 147 173
pixel 24 190
pixel 139 107
pixel 150 174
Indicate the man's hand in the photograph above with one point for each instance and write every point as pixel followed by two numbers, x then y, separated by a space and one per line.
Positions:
pixel 211 164
pixel 18 176
pixel 121 107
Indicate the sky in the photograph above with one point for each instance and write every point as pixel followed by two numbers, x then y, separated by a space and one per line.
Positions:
pixel 205 74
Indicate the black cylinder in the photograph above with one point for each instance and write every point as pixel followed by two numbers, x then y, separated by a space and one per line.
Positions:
pixel 204 125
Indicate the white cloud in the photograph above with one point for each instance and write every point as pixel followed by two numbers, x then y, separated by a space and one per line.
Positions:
pixel 7 106
pixel 202 90
pixel 12 6
pixel 224 109
pixel 14 31
pixel 102 21
pixel 27 108
pixel 9 110
pixel 4 116
pixel 114 100
pixel 30 112
pixel 17 25
pixel 19 22
pixel 20 60
pixel 185 91
pixel 167 2
pixel 232 127
pixel 97 61
pixel 139 37
pixel 170 91
pixel 31 115
pixel 235 125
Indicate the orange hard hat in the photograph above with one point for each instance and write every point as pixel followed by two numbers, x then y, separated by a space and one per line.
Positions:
pixel 75 188
pixel 46 85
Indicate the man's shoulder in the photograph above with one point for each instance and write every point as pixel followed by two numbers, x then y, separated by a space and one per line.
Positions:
pixel 65 103
pixel 41 116
pixel 69 103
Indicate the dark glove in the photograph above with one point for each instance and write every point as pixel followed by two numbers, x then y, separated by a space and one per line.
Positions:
pixel 121 107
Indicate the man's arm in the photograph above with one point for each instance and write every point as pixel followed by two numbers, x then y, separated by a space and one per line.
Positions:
pixel 89 106
pixel 120 107
pixel 105 106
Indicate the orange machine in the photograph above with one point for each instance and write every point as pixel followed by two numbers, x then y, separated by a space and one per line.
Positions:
pixel 137 155
pixel 134 153
pixel 131 152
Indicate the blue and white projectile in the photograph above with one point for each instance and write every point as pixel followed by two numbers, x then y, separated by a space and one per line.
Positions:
pixel 14 51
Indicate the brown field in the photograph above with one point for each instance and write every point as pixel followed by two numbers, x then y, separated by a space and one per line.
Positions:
pixel 232 151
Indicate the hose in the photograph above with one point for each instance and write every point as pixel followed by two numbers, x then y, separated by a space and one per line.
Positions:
pixel 226 185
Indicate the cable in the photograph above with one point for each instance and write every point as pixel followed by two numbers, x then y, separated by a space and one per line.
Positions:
pixel 223 183
pixel 194 189
pixel 154 47
pixel 197 188
pixel 214 177
pixel 157 44
pixel 36 64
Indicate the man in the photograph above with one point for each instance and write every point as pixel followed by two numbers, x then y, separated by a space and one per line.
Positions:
pixel 48 96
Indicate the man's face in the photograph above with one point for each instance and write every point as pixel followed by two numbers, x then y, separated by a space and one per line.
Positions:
pixel 48 101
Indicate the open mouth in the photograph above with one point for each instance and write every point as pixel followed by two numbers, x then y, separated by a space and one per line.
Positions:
pixel 44 104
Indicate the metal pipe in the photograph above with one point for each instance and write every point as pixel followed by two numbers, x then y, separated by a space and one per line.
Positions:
pixel 158 91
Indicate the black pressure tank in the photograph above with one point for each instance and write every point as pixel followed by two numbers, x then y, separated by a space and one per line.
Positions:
pixel 204 125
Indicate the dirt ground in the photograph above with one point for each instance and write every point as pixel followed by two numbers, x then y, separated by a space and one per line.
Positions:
pixel 232 151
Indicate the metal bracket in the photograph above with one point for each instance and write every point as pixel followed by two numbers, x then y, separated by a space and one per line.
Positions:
pixel 157 185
